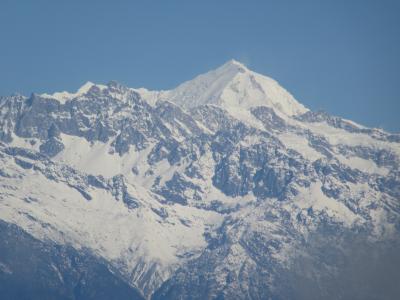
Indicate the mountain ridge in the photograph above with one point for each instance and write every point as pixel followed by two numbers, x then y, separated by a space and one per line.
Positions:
pixel 168 193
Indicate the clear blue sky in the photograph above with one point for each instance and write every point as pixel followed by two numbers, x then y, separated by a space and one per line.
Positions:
pixel 339 56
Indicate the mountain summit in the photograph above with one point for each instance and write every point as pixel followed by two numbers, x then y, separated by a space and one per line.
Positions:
pixel 225 187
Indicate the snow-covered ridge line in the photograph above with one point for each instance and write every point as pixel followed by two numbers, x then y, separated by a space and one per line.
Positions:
pixel 231 86
pixel 65 96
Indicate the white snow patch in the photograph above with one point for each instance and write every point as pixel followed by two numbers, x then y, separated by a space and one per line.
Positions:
pixel 95 158
pixel 29 143
pixel 150 96
pixel 364 165
pixel 299 144
pixel 315 198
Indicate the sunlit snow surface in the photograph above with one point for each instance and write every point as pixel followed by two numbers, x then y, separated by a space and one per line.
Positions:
pixel 231 86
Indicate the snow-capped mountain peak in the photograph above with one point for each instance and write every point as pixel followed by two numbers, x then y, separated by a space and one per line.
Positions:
pixel 216 185
pixel 235 65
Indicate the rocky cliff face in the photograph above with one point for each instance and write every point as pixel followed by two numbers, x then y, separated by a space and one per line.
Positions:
pixel 212 190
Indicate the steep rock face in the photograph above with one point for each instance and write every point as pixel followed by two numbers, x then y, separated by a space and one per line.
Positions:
pixel 10 111
pixel 208 191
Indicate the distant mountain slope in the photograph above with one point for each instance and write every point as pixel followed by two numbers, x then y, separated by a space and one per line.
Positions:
pixel 31 269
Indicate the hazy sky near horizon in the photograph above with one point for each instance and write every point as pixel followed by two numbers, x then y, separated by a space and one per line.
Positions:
pixel 338 56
